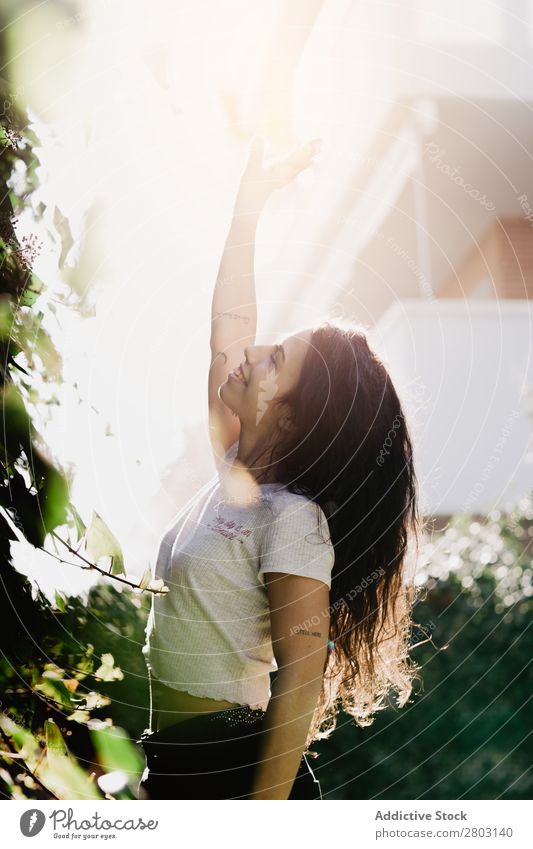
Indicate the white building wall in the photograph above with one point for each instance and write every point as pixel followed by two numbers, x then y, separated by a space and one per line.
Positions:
pixel 464 370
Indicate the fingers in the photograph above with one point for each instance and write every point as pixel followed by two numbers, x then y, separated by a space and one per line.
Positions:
pixel 276 174
pixel 303 156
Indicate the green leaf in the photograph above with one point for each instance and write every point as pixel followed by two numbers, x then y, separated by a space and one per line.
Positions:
pixel 32 136
pixel 50 356
pixel 6 319
pixel 54 498
pixel 78 521
pixel 100 542
pixel 23 741
pixel 55 690
pixel 15 201
pixel 61 223
pixel 116 752
pixel 61 772
pixel 86 664
pixel 17 423
pixel 32 291
pixel 146 578
pixel 60 602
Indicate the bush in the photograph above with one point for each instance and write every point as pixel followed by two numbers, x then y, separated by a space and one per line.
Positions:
pixel 465 732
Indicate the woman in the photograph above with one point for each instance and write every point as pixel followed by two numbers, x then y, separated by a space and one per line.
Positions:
pixel 292 560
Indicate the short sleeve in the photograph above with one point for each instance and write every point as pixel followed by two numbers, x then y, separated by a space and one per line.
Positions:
pixel 297 541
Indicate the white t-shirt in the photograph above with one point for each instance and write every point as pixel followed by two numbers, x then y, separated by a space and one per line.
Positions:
pixel 210 634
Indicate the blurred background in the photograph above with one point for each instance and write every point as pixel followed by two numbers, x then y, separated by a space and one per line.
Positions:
pixel 416 221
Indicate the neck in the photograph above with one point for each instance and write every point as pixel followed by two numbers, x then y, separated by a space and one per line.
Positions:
pixel 255 448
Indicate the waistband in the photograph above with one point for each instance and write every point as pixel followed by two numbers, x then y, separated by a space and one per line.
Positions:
pixel 241 715
pixel 238 715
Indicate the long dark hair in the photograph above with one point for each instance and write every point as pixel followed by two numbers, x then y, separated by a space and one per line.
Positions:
pixel 350 452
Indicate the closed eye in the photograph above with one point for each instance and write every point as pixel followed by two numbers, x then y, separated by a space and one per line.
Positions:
pixel 273 357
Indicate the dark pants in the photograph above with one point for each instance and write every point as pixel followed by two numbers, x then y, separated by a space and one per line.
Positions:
pixel 212 756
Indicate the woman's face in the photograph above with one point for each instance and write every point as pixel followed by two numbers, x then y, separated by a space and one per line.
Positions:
pixel 266 371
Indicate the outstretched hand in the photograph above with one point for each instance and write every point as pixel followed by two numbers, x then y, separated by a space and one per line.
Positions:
pixel 261 178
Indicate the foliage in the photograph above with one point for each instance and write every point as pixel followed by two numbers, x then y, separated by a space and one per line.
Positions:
pixel 57 664
pixel 72 676
pixel 465 734
pixel 69 672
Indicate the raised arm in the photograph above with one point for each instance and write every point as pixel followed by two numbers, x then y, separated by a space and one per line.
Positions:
pixel 233 310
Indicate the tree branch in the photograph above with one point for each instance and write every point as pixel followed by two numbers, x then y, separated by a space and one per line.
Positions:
pixel 96 568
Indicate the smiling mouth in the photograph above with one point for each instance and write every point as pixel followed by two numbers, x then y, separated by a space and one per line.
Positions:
pixel 238 375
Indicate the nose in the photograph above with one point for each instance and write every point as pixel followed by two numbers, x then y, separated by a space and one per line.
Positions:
pixel 247 355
